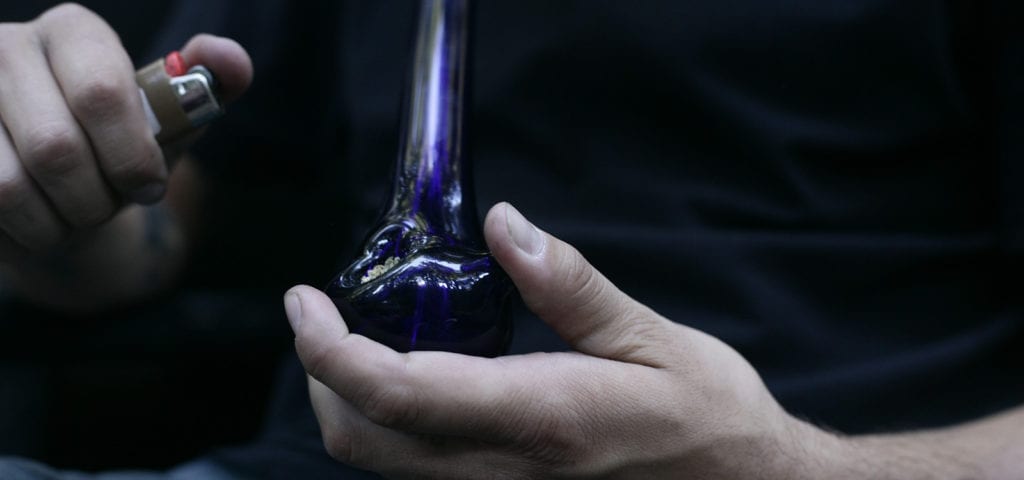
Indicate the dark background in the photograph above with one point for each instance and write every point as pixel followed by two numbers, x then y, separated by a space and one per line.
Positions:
pixel 830 187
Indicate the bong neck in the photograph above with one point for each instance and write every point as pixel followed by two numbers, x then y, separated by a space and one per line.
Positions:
pixel 433 185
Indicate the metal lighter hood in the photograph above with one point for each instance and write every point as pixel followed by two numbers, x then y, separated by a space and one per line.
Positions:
pixel 177 103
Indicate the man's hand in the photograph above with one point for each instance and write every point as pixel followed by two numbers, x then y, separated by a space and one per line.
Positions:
pixel 76 146
pixel 641 396
pixel 77 157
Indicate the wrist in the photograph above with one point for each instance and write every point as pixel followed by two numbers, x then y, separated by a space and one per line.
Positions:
pixel 799 450
pixel 924 455
pixel 813 452
pixel 771 446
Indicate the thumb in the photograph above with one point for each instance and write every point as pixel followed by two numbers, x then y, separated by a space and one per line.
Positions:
pixel 569 294
pixel 230 65
pixel 228 61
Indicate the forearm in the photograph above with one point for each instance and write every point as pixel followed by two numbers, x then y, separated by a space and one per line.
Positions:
pixel 990 448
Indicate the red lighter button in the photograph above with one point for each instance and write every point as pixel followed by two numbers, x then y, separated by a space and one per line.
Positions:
pixel 174 65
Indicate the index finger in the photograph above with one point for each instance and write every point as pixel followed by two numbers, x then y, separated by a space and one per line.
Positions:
pixel 426 392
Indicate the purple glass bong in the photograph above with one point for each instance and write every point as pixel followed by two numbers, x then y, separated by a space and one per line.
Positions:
pixel 424 279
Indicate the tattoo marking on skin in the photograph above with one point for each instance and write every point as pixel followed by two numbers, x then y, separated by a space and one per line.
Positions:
pixel 157 219
pixel 157 222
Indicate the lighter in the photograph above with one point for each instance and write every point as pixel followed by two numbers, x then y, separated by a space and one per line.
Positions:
pixel 178 99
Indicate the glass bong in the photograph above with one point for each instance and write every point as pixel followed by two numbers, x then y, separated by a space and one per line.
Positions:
pixel 424 279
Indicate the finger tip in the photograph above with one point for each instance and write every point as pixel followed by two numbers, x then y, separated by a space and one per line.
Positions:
pixel 495 218
pixel 498 209
pixel 318 311
pixel 308 295
pixel 226 58
pixel 496 231
pixel 293 310
pixel 299 289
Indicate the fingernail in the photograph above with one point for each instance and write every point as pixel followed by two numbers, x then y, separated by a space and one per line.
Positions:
pixel 149 194
pixel 293 307
pixel 524 234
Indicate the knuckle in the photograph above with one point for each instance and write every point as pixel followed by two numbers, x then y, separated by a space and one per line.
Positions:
pixel 551 442
pixel 316 357
pixel 586 284
pixel 90 218
pixel 339 445
pixel 575 270
pixel 642 328
pixel 392 406
pixel 544 429
pixel 13 194
pixel 88 213
pixel 350 446
pixel 100 97
pixel 16 215
pixel 135 169
pixel 66 10
pixel 10 32
pixel 52 150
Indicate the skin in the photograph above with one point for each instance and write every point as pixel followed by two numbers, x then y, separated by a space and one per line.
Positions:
pixel 78 161
pixel 639 397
